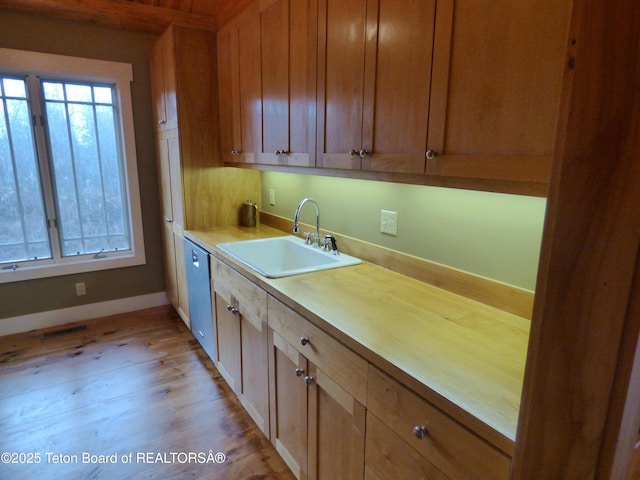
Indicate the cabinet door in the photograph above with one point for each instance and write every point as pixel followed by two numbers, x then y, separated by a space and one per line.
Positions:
pixel 228 329
pixel 164 178
pixel 397 85
pixel 336 430
pixel 240 87
pixel 175 175
pixel 375 83
pixel 163 82
pixel 288 36
pixel 170 177
pixel 496 85
pixel 255 368
pixel 229 94
pixel 170 273
pixel 181 275
pixel 341 50
pixel 250 94
pixel 288 399
pixel 169 181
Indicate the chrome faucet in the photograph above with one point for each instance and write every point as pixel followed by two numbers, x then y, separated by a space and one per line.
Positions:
pixel 295 219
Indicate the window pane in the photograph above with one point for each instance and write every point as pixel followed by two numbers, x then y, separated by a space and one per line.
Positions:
pixel 23 232
pixel 88 172
pixel 14 87
pixel 78 93
pixel 53 91
pixel 103 95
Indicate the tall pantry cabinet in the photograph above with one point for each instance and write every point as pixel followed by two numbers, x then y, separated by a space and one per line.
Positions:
pixel 181 67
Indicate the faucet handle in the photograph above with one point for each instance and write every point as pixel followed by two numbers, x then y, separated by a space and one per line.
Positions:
pixel 331 240
pixel 307 238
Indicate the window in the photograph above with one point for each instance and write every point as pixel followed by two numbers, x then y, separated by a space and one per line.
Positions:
pixel 68 177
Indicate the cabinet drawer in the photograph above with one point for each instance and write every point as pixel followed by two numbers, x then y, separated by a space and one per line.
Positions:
pixel 342 365
pixel 456 451
pixel 246 292
pixel 388 456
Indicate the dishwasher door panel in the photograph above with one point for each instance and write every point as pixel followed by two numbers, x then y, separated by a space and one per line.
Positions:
pixel 199 286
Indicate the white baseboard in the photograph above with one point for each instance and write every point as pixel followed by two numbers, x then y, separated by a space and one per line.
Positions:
pixel 34 321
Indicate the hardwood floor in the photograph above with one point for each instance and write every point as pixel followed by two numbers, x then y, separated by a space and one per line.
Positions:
pixel 135 389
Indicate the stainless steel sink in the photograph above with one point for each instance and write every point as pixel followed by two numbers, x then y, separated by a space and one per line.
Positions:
pixel 284 256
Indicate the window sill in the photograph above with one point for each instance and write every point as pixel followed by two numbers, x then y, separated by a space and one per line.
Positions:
pixel 68 267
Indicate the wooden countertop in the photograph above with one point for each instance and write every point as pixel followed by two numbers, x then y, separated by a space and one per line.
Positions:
pixel 462 355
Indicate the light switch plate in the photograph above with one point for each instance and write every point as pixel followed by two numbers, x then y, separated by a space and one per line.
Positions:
pixel 389 222
pixel 272 196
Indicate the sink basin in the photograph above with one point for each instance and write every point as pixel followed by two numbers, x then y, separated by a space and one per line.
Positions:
pixel 284 256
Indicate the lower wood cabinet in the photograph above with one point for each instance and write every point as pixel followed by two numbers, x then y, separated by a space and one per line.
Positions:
pixel 424 435
pixel 329 413
pixel 390 457
pixel 317 424
pixel 241 308
pixel 229 347
pixel 288 398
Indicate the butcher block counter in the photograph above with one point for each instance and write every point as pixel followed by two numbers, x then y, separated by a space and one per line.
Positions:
pixel 461 355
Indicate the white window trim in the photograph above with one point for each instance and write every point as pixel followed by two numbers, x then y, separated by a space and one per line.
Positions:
pixel 121 74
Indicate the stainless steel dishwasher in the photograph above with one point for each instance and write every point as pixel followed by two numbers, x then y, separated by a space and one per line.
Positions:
pixel 199 287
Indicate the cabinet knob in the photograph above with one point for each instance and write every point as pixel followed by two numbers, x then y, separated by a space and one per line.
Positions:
pixel 282 152
pixel 304 340
pixel 168 220
pixel 308 380
pixel 420 431
pixel 431 154
pixel 232 309
pixel 235 152
pixel 363 153
pixel 299 372
pixel 353 153
pixel 162 122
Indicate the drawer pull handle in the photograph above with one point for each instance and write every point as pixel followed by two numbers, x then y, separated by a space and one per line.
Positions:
pixel 304 340
pixel 420 432
pixel 299 372
pixel 308 380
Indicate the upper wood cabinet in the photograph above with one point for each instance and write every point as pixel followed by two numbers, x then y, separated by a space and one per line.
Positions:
pixel 452 93
pixel 163 83
pixel 496 89
pixel 240 88
pixel 374 77
pixel 288 50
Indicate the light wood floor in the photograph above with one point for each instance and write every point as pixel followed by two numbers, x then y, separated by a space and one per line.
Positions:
pixel 135 386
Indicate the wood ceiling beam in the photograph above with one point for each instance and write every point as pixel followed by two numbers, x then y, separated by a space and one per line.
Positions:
pixel 111 13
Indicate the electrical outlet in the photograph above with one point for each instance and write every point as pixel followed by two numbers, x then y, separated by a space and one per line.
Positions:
pixel 272 196
pixel 389 222
pixel 81 289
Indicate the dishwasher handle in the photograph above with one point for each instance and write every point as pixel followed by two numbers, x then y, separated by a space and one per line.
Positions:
pixel 194 259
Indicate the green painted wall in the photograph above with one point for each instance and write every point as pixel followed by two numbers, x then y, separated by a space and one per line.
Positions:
pixel 489 234
pixel 39 34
